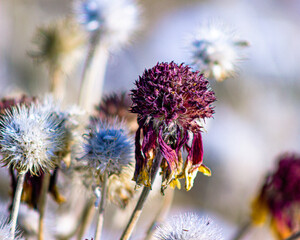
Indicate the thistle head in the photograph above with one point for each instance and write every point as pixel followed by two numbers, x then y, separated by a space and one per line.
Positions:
pixel 215 51
pixel 108 147
pixel 57 44
pixel 188 227
pixel 117 105
pixel 279 197
pixel 29 138
pixel 115 20
pixel 170 101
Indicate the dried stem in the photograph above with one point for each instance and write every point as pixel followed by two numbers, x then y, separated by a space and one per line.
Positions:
pixel 162 212
pixel 16 204
pixel 139 206
pixel 92 78
pixel 242 230
pixel 100 217
pixel 294 236
pixel 57 84
pixel 42 204
pixel 86 218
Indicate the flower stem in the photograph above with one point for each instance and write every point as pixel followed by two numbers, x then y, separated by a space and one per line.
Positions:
pixel 139 206
pixel 57 84
pixel 92 78
pixel 101 208
pixel 294 236
pixel 162 212
pixel 242 230
pixel 16 204
pixel 42 204
pixel 86 218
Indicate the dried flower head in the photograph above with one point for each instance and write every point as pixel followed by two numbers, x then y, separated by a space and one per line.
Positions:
pixel 116 20
pixel 188 226
pixel 121 187
pixel 117 105
pixel 215 51
pixel 279 198
pixel 108 147
pixel 169 100
pixel 8 103
pixel 29 138
pixel 57 44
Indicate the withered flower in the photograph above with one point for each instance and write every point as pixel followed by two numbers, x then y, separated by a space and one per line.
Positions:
pixel 170 100
pixel 279 198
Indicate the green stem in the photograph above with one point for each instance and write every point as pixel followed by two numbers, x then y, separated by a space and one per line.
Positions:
pixel 140 204
pixel 16 204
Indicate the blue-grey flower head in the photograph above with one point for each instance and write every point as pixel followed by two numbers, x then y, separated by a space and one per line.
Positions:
pixel 29 138
pixel 108 147
pixel 116 20
pixel 188 226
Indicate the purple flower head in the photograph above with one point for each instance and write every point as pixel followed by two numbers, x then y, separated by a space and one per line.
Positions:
pixel 280 196
pixel 170 100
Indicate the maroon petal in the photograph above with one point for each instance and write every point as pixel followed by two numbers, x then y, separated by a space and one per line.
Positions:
pixel 195 155
pixel 168 153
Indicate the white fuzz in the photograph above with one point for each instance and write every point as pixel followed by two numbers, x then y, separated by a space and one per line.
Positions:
pixel 188 227
pixel 5 227
pixel 215 51
pixel 115 19
pixel 29 138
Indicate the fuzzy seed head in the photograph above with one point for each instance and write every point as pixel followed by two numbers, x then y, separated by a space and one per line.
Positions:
pixel 108 147
pixel 215 51
pixel 29 138
pixel 5 227
pixel 188 227
pixel 116 20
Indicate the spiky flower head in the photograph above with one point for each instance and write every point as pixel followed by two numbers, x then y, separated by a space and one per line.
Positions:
pixel 170 101
pixel 7 103
pixel 108 147
pixel 29 138
pixel 115 20
pixel 279 198
pixel 188 226
pixel 58 44
pixel 117 105
pixel 215 51
pixel 5 227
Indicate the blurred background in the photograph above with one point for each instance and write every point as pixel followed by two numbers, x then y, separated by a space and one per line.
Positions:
pixel 257 114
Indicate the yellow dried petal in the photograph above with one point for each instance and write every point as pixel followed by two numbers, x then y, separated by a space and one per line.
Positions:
pixel 175 183
pixel 259 212
pixel 205 170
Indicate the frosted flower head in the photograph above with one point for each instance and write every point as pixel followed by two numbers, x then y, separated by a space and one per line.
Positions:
pixel 115 20
pixel 170 100
pixel 5 227
pixel 215 51
pixel 108 148
pixel 279 197
pixel 29 138
pixel 58 44
pixel 188 227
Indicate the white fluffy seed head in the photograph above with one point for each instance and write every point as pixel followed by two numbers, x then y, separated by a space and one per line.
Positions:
pixel 29 138
pixel 116 20
pixel 216 51
pixel 188 226
pixel 5 227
